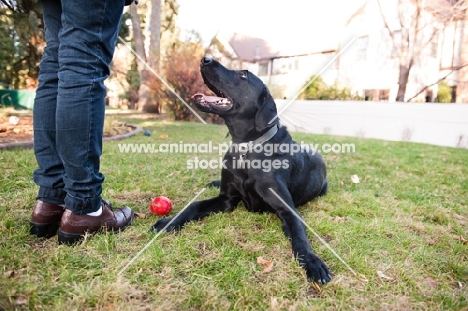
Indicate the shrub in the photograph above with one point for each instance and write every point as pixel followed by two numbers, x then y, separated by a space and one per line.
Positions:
pixel 319 90
pixel 444 94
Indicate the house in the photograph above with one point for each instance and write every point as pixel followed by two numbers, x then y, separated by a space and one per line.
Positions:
pixel 364 57
pixel 454 56
pixel 284 71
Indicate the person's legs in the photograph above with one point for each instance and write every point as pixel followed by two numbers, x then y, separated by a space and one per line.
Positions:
pixel 48 211
pixel 87 40
pixel 49 175
pixel 69 118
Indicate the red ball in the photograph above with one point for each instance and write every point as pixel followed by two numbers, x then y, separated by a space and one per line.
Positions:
pixel 161 205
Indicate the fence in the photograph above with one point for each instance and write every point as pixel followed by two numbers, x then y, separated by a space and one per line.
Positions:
pixel 18 99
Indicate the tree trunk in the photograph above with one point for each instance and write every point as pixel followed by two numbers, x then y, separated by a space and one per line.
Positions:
pixel 150 84
pixel 402 82
pixel 155 36
pixel 144 95
pixel 138 37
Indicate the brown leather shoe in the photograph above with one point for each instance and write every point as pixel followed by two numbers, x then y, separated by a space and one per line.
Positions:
pixel 45 219
pixel 74 227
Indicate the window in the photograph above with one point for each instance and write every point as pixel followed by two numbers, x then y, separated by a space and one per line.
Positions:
pixel 377 95
pixel 263 69
pixel 454 93
pixel 284 65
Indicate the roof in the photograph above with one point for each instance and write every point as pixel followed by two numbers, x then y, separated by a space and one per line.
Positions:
pixel 251 49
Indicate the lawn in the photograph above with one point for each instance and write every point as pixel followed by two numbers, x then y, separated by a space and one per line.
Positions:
pixel 402 228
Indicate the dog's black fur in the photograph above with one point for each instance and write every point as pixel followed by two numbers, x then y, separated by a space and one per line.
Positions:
pixel 247 107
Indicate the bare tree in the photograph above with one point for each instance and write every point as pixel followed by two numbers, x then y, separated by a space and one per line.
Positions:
pixel 437 82
pixel 155 34
pixel 417 25
pixel 139 43
pixel 147 100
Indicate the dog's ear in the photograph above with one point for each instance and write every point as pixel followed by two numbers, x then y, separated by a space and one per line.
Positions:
pixel 266 112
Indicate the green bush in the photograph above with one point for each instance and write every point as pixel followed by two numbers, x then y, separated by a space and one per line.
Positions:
pixel 319 90
pixel 444 94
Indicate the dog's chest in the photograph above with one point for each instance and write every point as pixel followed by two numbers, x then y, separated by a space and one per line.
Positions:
pixel 252 200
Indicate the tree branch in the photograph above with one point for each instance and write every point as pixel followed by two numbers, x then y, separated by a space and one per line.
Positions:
pixel 8 5
pixel 392 33
pixel 437 82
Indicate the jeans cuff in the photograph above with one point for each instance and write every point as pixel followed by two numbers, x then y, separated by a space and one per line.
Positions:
pixel 81 206
pixel 51 195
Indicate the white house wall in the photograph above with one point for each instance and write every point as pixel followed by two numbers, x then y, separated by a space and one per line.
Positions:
pixel 451 49
pixel 377 70
pixel 293 79
pixel 380 69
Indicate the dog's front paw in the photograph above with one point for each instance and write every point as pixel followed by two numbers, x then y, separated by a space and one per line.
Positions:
pixel 165 224
pixel 316 269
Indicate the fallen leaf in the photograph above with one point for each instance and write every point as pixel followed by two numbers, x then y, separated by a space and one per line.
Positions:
pixel 383 276
pixel 464 241
pixel 273 303
pixel 362 278
pixel 460 238
pixel 268 264
pixel 21 302
pixel 317 287
pixel 140 215
pixel 339 219
pixel 355 179
pixel 430 282
pixel 13 273
pixel 10 273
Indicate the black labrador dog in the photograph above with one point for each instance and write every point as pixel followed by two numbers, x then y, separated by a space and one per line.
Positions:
pixel 260 168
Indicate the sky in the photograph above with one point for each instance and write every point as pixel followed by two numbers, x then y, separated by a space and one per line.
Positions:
pixel 279 22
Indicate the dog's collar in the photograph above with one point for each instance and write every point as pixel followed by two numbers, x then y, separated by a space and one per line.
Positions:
pixel 244 148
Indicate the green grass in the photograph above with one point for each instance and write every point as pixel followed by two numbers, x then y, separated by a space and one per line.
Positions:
pixel 399 222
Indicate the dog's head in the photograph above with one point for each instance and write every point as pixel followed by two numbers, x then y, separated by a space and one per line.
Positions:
pixel 240 95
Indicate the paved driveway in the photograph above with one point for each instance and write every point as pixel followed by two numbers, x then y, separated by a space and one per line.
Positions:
pixel 431 123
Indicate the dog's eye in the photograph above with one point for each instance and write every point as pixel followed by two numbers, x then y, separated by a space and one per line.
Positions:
pixel 243 75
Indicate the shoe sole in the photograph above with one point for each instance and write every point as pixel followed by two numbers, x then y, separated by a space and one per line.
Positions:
pixel 73 238
pixel 43 230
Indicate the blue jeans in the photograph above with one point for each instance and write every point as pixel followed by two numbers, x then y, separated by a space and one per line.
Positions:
pixel 70 100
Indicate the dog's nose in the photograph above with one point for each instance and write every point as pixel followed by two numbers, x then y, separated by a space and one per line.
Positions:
pixel 206 61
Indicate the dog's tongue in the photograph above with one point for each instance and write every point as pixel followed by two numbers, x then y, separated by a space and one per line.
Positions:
pixel 207 98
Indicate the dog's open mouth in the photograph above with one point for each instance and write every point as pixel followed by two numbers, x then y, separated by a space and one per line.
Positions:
pixel 214 102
